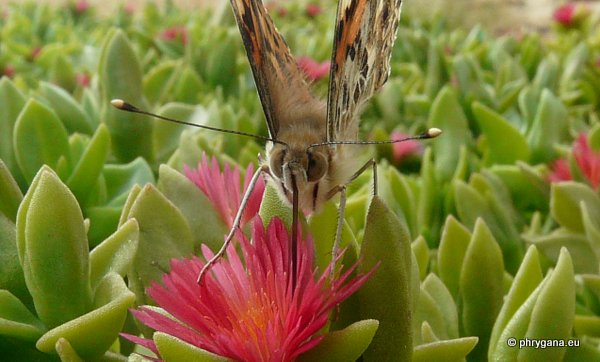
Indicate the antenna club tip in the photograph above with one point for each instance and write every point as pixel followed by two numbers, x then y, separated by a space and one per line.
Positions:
pixel 434 132
pixel 118 103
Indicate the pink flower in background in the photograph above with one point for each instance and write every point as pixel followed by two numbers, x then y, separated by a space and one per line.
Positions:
pixel 273 7
pixel 175 32
pixel 401 150
pixel 223 188
pixel 129 8
pixel 587 160
pixel 312 69
pixel 81 6
pixel 313 10
pixel 570 14
pixel 83 79
pixel 248 309
pixel 8 71
pixel 564 14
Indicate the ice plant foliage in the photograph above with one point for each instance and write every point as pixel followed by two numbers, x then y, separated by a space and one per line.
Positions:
pixel 248 308
pixel 223 188
pixel 587 160
pixel 312 69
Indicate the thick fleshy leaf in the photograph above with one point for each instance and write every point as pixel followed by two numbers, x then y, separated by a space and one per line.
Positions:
pixel 115 254
pixel 428 209
pixel 447 115
pixel 11 272
pixel 448 350
pixel 11 104
pixel 505 144
pixel 66 352
pixel 93 333
pixel 121 77
pixel 10 194
pixel 322 226
pixel 386 242
pixel 89 167
pixel 166 135
pixel 272 206
pixel 527 279
pixel 39 139
pixel 347 344
pixel 121 178
pixel 444 301
pixel 68 110
pixel 564 204
pixel 205 223
pixel 451 253
pixel 164 234
pixel 16 321
pixel 549 127
pixel 421 251
pixel 174 349
pixel 427 311
pixel 480 286
pixel 54 250
pixel 549 319
pixel 586 325
pixel 578 245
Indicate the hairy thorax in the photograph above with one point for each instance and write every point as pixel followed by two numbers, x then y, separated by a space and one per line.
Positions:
pixel 315 171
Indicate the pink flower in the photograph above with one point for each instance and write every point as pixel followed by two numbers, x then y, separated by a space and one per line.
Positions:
pixel 249 310
pixel 83 79
pixel 223 189
pixel 81 6
pixel 401 150
pixel 312 69
pixel 273 7
pixel 313 10
pixel 587 160
pixel 8 71
pixel 175 32
pixel 129 8
pixel 570 14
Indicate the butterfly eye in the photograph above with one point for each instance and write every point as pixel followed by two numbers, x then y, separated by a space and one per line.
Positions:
pixel 317 165
pixel 276 161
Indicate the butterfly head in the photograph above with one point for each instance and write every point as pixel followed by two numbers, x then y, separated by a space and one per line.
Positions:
pixel 305 166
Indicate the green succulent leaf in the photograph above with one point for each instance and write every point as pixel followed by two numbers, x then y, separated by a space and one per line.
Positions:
pixel 16 321
pixel 386 242
pixel 505 145
pixel 164 234
pixel 121 77
pixel 480 286
pixel 436 289
pixel 89 167
pixel 67 109
pixel 549 127
pixel 66 352
pixel 206 225
pixel 447 115
pixel 174 349
pixel 53 250
pixel 565 204
pixel 451 253
pixel 116 253
pixel 448 350
pixel 527 279
pixel 347 344
pixel 39 139
pixel 10 194
pixel 12 102
pixel 93 333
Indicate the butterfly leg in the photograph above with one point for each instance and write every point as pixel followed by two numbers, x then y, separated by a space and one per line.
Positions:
pixel 341 189
pixel 236 222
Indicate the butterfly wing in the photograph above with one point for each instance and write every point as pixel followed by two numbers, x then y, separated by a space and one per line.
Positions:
pixel 278 79
pixel 364 36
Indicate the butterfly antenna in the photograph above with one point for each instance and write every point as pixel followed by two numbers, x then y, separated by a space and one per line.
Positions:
pixel 430 133
pixel 128 107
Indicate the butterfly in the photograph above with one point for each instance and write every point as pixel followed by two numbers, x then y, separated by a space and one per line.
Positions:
pixel 310 149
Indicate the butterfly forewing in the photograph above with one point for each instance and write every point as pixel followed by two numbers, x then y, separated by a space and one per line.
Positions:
pixel 365 32
pixel 278 79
